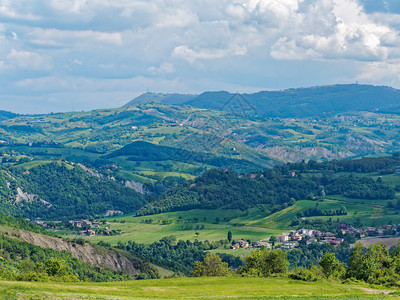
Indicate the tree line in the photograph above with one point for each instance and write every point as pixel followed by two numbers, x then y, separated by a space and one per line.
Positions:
pixel 374 265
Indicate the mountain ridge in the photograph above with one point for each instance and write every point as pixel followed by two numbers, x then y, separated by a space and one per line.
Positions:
pixel 293 102
pixel 307 102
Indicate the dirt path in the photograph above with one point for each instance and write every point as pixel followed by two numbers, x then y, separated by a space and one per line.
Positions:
pixel 376 292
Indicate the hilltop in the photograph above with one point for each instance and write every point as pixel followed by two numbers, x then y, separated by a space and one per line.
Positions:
pixel 5 115
pixel 170 99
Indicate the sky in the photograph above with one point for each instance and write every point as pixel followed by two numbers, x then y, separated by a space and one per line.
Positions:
pixel 73 55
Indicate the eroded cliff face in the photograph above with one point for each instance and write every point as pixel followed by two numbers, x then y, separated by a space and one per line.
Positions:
pixel 298 154
pixel 137 186
pixel 97 256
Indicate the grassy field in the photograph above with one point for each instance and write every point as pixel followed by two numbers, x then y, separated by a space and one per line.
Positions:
pixel 182 225
pixel 359 211
pixel 252 224
pixel 195 288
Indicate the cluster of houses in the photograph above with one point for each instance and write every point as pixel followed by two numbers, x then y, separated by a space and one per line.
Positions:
pixel 88 225
pixel 290 240
pixel 246 244
pixel 85 223
pixel 310 235
pixel 374 231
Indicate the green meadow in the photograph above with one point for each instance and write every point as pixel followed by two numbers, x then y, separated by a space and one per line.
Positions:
pixel 182 225
pixel 253 224
pixel 196 288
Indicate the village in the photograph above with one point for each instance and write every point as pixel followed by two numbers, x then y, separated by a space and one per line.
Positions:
pixel 290 240
pixel 82 227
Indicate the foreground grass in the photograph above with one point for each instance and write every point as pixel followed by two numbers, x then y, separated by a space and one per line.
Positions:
pixel 197 288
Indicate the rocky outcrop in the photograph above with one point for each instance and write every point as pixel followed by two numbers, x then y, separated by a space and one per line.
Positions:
pixel 23 196
pixel 94 255
pixel 90 171
pixel 297 154
pixel 137 186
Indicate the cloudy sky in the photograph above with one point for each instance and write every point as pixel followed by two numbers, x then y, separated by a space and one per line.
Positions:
pixel 63 55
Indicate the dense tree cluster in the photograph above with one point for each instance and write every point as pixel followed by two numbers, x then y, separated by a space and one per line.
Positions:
pixel 306 255
pixel 212 265
pixel 263 262
pixel 315 211
pixel 375 264
pixel 178 256
pixel 362 165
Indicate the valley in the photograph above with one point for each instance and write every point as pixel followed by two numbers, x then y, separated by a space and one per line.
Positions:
pixel 155 188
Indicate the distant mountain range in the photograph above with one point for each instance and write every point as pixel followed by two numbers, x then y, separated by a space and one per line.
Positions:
pixel 301 102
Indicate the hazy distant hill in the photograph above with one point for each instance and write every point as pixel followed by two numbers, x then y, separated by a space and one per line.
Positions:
pixel 308 102
pixel 4 115
pixel 170 99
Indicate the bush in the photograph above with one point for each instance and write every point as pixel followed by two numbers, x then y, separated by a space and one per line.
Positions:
pixel 312 273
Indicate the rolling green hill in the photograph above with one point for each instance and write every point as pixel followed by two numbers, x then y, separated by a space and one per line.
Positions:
pixel 245 140
pixel 276 188
pixel 143 151
pixel 357 186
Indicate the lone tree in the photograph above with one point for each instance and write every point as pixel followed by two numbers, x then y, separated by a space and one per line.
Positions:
pixel 331 267
pixel 211 266
pixel 273 239
pixel 265 263
pixel 229 236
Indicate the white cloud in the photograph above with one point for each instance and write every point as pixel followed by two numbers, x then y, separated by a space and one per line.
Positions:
pixel 334 29
pixel 70 6
pixel 79 38
pixel 8 11
pixel 164 68
pixel 191 55
pixel 385 72
pixel 231 43
pixel 28 60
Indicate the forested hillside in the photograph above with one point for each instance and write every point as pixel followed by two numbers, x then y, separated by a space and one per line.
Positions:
pixel 276 188
pixel 60 191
